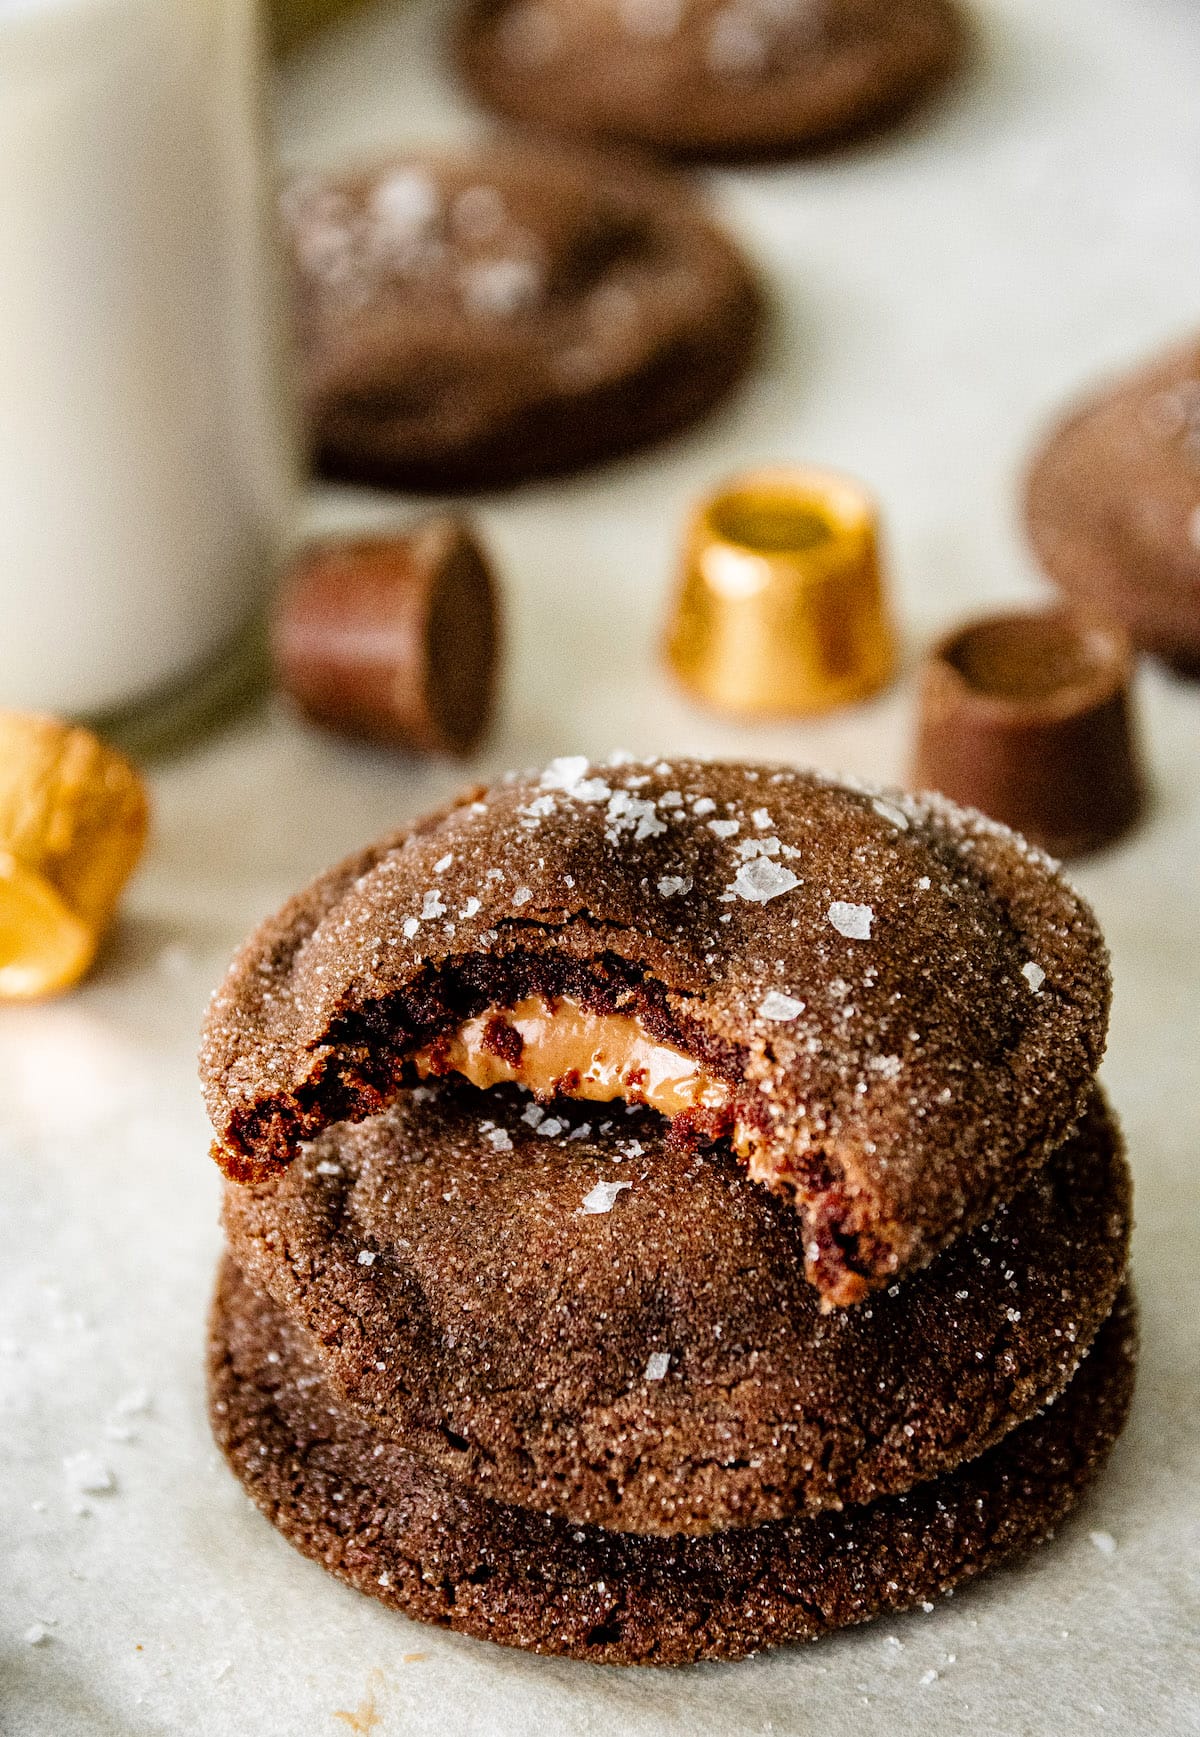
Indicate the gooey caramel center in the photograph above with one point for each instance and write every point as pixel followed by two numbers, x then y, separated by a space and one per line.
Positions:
pixel 561 1048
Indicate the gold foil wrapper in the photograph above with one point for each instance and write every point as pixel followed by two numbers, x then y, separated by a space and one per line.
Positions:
pixel 73 818
pixel 781 608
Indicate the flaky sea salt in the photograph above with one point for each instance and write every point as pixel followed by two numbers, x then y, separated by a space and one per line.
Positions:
pixel 852 921
pixel 888 811
pixel 500 287
pixel 366 1257
pixel 522 895
pixel 703 805
pixel 761 819
pixel 761 880
pixel 499 1140
pixel 602 1197
pixel 636 814
pixel 724 828
pixel 88 1475
pixel 657 1365
pixel 1104 1542
pixel 551 1128
pixel 671 885
pixel 410 926
pixel 533 1114
pixel 470 908
pixel 1034 976
pixel 442 864
pixel 432 906
pixel 775 1005
pixel 328 1168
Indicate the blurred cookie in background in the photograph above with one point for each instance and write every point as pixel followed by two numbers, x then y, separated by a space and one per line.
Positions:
pixel 473 320
pixel 708 78
pixel 1113 505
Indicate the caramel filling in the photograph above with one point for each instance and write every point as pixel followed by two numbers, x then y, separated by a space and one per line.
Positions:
pixel 562 1049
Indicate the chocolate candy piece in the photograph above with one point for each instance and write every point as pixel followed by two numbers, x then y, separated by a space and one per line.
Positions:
pixel 393 637
pixel 781 607
pixel 1027 717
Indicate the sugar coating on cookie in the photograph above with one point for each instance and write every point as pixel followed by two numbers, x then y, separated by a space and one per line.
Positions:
pixel 524 936
pixel 404 1533
pixel 708 78
pixel 574 1313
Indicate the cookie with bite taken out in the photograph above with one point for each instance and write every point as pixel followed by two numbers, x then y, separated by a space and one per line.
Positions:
pixel 890 1011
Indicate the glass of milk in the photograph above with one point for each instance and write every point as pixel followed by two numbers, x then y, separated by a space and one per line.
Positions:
pixel 147 466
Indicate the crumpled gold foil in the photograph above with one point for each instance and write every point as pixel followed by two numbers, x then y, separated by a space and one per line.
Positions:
pixel 73 819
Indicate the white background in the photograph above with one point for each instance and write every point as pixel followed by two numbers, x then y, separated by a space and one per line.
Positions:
pixel 936 296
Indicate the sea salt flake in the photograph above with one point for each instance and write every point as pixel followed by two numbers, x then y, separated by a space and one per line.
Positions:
pixel 432 906
pixel 562 773
pixel 670 885
pixel 551 1127
pixel 602 1197
pixel 406 201
pixel 442 864
pixel 761 880
pixel 852 921
pixel 724 828
pixel 136 1403
pixel 930 1676
pixel 761 819
pixel 522 895
pixel 366 1257
pixel 657 1365
pixel 889 811
pixel 775 1005
pixel 1034 976
pixel 636 814
pixel 501 287
pixel 672 799
pixel 327 1168
pixel 1104 1542
pixel 500 1140
pixel 88 1475
pixel 411 925
pixel 533 1114
pixel 470 908
pixel 703 805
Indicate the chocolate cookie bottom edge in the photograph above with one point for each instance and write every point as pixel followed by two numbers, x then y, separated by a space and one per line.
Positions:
pixel 409 1536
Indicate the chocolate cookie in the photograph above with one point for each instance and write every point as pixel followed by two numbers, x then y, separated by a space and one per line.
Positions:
pixel 408 1535
pixel 470 321
pixel 574 1314
pixel 894 1009
pixel 1113 506
pixel 708 78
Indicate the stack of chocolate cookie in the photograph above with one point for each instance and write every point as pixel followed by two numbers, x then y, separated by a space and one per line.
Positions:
pixel 671 1210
